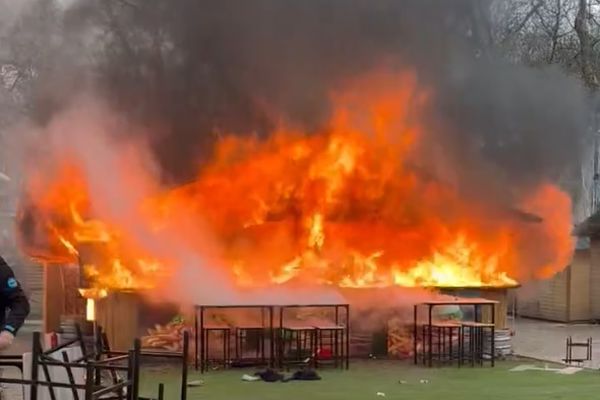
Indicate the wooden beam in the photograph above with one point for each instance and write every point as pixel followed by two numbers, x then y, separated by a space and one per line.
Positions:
pixel 500 295
pixel 53 305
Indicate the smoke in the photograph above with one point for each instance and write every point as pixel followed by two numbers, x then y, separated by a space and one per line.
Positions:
pixel 178 74
pixel 193 70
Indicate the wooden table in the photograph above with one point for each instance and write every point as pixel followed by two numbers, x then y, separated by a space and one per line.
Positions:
pixel 475 303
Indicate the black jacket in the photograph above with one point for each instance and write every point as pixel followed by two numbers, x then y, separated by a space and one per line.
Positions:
pixel 14 306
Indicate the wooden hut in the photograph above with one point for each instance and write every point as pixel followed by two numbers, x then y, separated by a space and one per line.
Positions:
pixel 572 295
pixel 565 297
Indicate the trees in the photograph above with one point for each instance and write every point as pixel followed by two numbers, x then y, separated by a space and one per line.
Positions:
pixel 564 33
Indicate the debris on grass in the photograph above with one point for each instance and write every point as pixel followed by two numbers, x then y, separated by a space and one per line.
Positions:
pixel 380 394
pixel 195 383
pixel 523 367
pixel 569 370
pixel 402 382
pixel 424 381
pixel 546 368
pixel 250 378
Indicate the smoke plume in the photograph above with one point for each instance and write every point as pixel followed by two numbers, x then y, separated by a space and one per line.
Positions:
pixel 193 70
pixel 183 73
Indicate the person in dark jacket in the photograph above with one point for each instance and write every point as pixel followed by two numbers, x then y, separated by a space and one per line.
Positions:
pixel 14 306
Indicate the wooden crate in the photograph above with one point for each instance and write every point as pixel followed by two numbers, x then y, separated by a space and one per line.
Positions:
pixel 118 315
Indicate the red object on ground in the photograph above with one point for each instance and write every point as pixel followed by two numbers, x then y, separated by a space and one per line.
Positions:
pixel 324 354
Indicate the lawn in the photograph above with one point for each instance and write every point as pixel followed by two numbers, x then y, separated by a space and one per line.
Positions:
pixel 365 379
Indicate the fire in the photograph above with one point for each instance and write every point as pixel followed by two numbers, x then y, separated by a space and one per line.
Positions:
pixel 457 265
pixel 107 258
pixel 348 206
pixel 90 309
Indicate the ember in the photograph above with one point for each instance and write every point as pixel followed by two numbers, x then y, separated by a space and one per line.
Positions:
pixel 346 206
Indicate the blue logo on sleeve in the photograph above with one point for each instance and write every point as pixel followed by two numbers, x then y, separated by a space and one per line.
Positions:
pixel 12 283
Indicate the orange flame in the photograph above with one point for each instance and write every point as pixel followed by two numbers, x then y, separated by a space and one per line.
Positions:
pixel 346 206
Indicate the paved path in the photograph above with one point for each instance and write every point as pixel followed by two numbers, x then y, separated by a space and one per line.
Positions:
pixel 547 340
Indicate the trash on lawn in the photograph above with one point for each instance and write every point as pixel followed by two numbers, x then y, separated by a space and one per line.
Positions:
pixel 269 375
pixel 569 370
pixel 380 394
pixel 424 381
pixel 402 382
pixel 531 367
pixel 195 383
pixel 304 374
pixel 250 378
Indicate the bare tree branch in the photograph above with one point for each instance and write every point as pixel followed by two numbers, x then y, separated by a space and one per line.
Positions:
pixel 524 21
pixel 555 30
pixel 585 42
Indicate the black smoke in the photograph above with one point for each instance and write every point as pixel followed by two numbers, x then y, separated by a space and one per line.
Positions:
pixel 191 69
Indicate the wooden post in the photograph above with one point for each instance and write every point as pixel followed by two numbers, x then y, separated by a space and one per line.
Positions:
pixel 118 315
pixel 53 305
pixel 500 295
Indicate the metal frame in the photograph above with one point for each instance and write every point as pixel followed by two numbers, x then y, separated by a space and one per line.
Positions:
pixel 336 308
pixel 103 348
pixel 200 334
pixel 102 359
pixel 42 359
pixel 569 359
pixel 427 341
pixel 200 331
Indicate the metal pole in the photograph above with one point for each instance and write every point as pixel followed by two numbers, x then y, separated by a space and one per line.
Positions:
pixel 184 366
pixel 493 344
pixel 429 337
pixel 272 338
pixel 347 336
pixel 280 338
pixel 161 391
pixel 130 363
pixel 89 381
pixel 135 387
pixel 70 376
pixel 35 355
pixel 202 333
pixel 48 379
pixel 196 349
pixel 415 334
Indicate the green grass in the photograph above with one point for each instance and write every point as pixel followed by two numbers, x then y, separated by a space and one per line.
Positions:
pixel 365 379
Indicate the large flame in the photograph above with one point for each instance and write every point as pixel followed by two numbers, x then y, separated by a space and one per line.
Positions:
pixel 346 206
